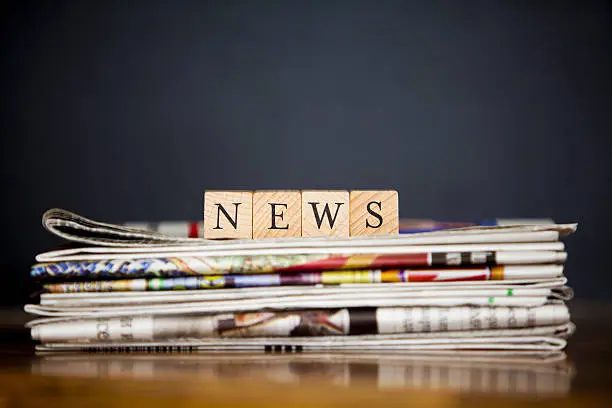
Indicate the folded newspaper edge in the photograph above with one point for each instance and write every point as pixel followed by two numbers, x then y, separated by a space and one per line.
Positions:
pixel 513 288
pixel 73 227
pixel 158 282
pixel 555 360
pixel 560 330
pixel 303 323
pixel 290 304
pixel 551 283
pixel 556 305
pixel 93 308
pixel 361 268
pixel 508 343
pixel 505 253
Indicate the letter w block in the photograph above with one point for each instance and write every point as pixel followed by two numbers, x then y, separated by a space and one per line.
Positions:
pixel 325 213
pixel 228 214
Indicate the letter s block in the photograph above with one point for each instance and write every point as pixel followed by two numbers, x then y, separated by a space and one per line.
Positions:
pixel 228 214
pixel 374 212
pixel 277 214
pixel 325 214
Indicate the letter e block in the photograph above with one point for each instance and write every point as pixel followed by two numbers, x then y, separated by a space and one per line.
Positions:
pixel 228 214
pixel 277 214
pixel 374 212
pixel 325 214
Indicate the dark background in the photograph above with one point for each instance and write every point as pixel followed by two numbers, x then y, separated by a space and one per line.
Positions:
pixel 128 110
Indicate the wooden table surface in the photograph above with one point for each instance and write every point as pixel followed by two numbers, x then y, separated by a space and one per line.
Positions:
pixel 584 378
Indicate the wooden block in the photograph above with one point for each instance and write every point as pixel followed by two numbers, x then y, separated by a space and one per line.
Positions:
pixel 277 214
pixel 374 212
pixel 228 214
pixel 325 213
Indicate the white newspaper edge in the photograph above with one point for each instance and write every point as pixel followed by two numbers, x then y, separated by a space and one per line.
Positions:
pixel 552 283
pixel 309 293
pixel 103 253
pixel 246 306
pixel 549 343
pixel 52 319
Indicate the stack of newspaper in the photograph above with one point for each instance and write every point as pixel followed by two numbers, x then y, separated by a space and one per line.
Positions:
pixel 498 288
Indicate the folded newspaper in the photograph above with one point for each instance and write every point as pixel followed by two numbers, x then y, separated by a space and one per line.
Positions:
pixel 494 288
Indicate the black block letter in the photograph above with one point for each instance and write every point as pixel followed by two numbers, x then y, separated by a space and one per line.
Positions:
pixel 279 215
pixel 378 216
pixel 326 212
pixel 234 221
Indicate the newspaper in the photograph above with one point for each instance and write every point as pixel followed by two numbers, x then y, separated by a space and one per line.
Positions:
pixel 494 297
pixel 73 227
pixel 498 288
pixel 552 287
pixel 190 266
pixel 537 339
pixel 365 276
pixel 300 323
pixel 336 266
pixel 449 255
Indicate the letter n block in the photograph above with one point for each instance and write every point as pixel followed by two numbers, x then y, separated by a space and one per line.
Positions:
pixel 228 214
pixel 277 214
pixel 325 213
pixel 374 212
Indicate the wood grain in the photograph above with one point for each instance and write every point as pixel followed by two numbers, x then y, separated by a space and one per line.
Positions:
pixel 374 212
pixel 277 214
pixel 235 222
pixel 325 213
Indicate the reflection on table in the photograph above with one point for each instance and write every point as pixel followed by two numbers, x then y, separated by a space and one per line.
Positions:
pixel 486 372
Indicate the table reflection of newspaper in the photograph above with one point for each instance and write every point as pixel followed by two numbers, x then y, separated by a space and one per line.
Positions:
pixel 486 372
